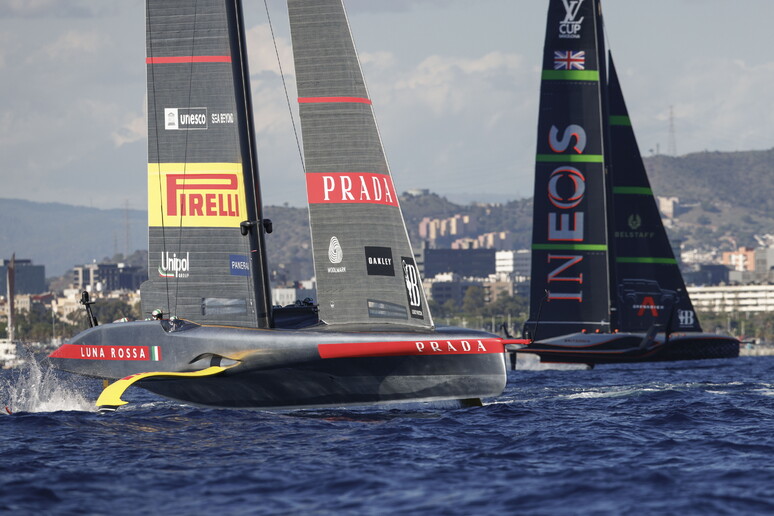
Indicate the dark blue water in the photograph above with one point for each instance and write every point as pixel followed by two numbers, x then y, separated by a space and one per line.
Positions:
pixel 678 438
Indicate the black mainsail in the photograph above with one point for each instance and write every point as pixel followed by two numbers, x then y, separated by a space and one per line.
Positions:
pixel 649 288
pixel 569 232
pixel 206 254
pixel 606 286
pixel 365 266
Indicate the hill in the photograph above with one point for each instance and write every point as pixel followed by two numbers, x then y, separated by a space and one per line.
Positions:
pixel 61 236
pixel 729 196
pixel 727 199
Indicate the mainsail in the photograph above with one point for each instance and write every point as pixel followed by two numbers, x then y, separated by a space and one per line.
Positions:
pixel 649 289
pixel 206 253
pixel 366 272
pixel 569 285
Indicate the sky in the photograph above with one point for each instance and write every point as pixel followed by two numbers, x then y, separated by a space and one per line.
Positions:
pixel 454 84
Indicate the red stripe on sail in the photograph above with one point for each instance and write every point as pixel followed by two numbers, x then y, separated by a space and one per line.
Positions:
pixel 350 187
pixel 323 100
pixel 414 347
pixel 188 59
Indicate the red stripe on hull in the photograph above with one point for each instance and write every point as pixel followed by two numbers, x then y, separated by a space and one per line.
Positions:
pixel 82 352
pixel 415 347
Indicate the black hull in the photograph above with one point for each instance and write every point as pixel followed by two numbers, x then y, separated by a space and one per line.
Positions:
pixel 340 382
pixel 293 368
pixel 616 348
pixel 689 348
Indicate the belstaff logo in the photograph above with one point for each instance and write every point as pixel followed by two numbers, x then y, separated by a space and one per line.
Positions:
pixel 634 221
pixel 570 26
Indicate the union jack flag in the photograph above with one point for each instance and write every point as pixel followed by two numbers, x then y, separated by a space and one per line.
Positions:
pixel 569 60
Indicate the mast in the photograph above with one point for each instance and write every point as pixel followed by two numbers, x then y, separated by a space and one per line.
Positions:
pixel 256 227
pixel 606 152
pixel 11 291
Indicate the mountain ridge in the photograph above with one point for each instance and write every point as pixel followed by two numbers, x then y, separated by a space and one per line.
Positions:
pixel 728 198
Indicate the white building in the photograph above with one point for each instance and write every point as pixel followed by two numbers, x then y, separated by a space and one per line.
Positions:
pixel 515 263
pixel 738 298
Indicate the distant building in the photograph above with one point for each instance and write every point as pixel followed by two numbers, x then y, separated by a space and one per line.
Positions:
pixel 514 263
pixel 764 264
pixel 743 259
pixel 478 263
pixel 443 231
pixel 28 302
pixel 494 240
pixel 737 298
pixel 108 277
pixel 446 287
pixel 284 296
pixel 668 206
pixel 28 278
pixel 707 274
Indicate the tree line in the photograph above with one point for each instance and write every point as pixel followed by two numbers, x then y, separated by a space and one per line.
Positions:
pixel 42 325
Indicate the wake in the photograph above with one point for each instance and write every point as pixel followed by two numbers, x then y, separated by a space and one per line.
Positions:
pixel 35 387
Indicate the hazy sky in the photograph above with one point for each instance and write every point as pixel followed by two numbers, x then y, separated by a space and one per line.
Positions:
pixel 454 85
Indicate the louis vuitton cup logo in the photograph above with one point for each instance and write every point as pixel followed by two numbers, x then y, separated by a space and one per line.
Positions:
pixel 570 26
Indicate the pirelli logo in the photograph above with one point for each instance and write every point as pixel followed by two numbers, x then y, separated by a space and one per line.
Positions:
pixel 195 194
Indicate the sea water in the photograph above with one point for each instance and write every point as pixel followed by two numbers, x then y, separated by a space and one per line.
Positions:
pixel 662 438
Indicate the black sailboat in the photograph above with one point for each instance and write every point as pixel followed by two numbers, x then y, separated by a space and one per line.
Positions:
pixel 605 284
pixel 371 339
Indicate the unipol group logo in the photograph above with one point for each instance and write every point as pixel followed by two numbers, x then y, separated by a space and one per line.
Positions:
pixel 570 26
pixel 173 266
pixel 335 255
pixel 185 119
